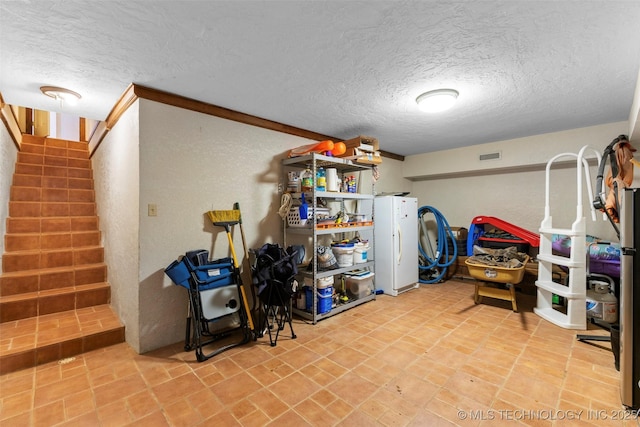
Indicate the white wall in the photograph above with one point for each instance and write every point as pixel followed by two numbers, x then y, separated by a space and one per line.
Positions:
pixel 515 190
pixel 634 114
pixel 66 126
pixel 185 163
pixel 8 157
pixel 192 163
pixel 116 178
pixel 391 177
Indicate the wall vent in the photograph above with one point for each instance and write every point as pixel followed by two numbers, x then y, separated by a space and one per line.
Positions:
pixel 491 156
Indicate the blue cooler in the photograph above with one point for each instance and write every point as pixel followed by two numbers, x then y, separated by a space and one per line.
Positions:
pixel 214 274
pixel 325 299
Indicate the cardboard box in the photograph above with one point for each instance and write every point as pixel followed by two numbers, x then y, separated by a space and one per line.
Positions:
pixel 460 233
pixel 363 142
pixel 360 156
pixel 363 149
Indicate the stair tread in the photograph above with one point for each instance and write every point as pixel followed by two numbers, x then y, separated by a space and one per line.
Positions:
pixel 53 269
pixel 34 175
pixel 52 292
pixel 36 332
pixel 53 195
pixel 31 233
pixel 52 217
pixel 39 251
pixel 25 146
pixel 45 202
pixel 27 180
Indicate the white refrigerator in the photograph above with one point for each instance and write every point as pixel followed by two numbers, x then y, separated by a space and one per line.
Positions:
pixel 396 243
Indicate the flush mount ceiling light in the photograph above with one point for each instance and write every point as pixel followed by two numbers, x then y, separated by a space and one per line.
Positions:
pixel 61 94
pixel 438 100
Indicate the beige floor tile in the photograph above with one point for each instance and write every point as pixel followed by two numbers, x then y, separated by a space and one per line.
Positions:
pixel 235 388
pixel 15 404
pixel 315 414
pixel 142 404
pixel 300 357
pixel 181 413
pixel 427 357
pixel 268 403
pixel 352 389
pixel 254 419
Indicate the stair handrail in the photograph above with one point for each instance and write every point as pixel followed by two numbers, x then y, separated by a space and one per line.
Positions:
pixel 587 175
pixel 581 162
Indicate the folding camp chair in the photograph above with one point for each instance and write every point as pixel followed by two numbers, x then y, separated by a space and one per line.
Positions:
pixel 274 277
pixel 214 297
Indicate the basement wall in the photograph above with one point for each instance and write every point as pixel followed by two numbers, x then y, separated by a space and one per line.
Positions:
pixel 461 187
pixel 116 170
pixel 185 163
pixel 192 163
pixel 8 157
pixel 391 177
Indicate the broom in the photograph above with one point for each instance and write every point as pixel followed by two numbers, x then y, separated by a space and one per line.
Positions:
pixel 231 217
pixel 226 219
pixel 246 269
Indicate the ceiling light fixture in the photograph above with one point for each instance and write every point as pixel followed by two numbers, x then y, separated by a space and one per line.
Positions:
pixel 61 94
pixel 438 100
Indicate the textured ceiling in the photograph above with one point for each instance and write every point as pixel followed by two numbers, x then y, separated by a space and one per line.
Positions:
pixel 339 68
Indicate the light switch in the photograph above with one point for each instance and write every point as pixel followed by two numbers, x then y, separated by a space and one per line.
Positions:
pixel 152 209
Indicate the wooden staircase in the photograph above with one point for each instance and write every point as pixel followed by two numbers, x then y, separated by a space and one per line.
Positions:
pixel 54 295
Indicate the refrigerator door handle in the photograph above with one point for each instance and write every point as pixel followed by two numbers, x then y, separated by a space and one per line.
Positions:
pixel 399 245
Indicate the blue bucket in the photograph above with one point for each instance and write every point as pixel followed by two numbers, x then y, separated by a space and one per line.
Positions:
pixel 325 299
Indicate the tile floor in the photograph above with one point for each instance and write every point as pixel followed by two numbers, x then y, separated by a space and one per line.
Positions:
pixel 428 357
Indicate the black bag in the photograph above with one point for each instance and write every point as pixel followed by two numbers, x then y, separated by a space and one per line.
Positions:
pixel 274 274
pixel 198 257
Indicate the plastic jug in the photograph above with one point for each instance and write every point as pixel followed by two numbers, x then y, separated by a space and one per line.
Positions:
pixel 321 179
pixel 306 179
pixel 332 179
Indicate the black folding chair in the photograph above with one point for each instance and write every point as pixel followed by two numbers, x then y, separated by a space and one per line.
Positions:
pixel 273 275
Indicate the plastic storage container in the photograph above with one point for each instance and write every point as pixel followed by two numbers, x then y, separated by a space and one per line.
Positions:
pixel 325 299
pixel 321 179
pixel 343 253
pixel 360 252
pixel 306 179
pixel 359 286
